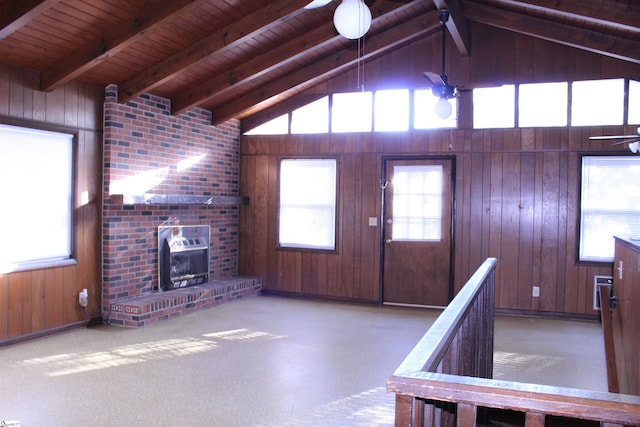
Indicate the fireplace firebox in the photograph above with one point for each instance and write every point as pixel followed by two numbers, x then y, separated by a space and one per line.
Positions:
pixel 183 258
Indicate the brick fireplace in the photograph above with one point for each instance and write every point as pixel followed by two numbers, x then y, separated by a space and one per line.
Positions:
pixel 165 170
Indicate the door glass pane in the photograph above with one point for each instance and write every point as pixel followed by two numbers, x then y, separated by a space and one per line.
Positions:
pixel 417 203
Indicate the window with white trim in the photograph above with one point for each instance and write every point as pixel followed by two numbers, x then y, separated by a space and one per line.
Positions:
pixel 610 204
pixel 307 204
pixel 36 179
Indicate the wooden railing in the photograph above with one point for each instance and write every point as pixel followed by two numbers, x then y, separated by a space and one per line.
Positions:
pixel 446 379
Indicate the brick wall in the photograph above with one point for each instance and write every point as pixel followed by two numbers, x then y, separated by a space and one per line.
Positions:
pixel 147 150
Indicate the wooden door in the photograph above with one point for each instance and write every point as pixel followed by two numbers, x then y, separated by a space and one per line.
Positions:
pixel 418 200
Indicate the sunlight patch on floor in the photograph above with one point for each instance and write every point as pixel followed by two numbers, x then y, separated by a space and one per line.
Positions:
pixel 511 365
pixel 74 363
pixel 371 408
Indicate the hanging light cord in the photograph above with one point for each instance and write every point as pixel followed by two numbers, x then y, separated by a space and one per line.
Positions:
pixel 361 44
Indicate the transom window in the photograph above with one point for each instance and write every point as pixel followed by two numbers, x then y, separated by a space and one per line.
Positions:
pixel 542 104
pixel 579 103
pixel 597 102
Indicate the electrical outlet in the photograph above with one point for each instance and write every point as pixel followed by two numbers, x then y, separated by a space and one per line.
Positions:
pixel 83 298
pixel 535 291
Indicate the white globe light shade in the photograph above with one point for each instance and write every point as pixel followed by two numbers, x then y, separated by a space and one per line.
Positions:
pixel 352 19
pixel 443 108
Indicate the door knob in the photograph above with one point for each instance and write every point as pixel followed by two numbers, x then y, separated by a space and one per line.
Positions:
pixel 387 241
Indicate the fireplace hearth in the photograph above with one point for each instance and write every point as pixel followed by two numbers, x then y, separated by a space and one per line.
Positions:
pixel 183 256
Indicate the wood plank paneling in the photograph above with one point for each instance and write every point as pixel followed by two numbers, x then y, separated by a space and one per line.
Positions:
pixel 517 190
pixel 35 301
pixel 4 306
pixel 517 205
pixel 15 306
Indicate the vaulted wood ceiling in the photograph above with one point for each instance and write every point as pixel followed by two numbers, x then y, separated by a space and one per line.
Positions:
pixel 237 57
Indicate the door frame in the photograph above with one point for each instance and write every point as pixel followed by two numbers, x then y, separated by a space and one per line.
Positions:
pixel 384 159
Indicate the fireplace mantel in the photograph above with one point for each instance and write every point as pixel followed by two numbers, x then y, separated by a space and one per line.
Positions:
pixel 176 199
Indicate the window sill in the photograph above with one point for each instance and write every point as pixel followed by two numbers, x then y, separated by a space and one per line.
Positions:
pixel 16 268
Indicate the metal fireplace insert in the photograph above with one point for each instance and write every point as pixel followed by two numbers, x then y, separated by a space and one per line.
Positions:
pixel 183 256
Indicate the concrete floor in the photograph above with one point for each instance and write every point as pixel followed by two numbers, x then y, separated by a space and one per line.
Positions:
pixel 263 361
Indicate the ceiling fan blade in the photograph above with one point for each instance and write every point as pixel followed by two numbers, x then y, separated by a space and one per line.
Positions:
pixel 435 79
pixel 613 137
pixel 314 4
pixel 630 141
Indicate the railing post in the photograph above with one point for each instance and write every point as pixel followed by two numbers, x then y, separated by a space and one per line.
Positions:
pixel 533 419
pixel 466 415
pixel 403 410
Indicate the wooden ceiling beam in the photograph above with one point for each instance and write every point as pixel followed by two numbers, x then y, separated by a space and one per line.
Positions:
pixel 561 33
pixel 17 13
pixel 283 54
pixel 615 14
pixel 95 52
pixel 457 25
pixel 327 67
pixel 222 40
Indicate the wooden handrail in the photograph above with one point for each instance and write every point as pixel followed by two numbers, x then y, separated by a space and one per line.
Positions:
pixel 437 385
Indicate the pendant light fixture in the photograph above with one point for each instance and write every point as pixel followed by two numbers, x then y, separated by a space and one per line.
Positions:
pixel 352 19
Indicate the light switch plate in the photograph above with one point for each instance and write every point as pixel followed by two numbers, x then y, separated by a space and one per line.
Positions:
pixel 373 221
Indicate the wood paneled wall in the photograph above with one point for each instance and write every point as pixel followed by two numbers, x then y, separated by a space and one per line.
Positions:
pixel 517 190
pixel 33 302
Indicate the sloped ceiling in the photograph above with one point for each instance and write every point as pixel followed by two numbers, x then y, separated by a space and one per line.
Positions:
pixel 237 57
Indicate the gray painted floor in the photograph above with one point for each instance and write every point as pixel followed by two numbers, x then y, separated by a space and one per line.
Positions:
pixel 263 361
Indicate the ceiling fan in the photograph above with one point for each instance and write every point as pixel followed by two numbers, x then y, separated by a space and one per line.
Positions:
pixel 440 85
pixel 632 140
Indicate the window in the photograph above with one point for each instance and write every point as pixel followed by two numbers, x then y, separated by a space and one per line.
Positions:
pixel 424 116
pixel 277 126
pixel 634 103
pixel 391 110
pixel 610 203
pixel 542 104
pixel 597 102
pixel 352 112
pixel 494 107
pixel 307 208
pixel 37 214
pixel 417 203
pixel 311 118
